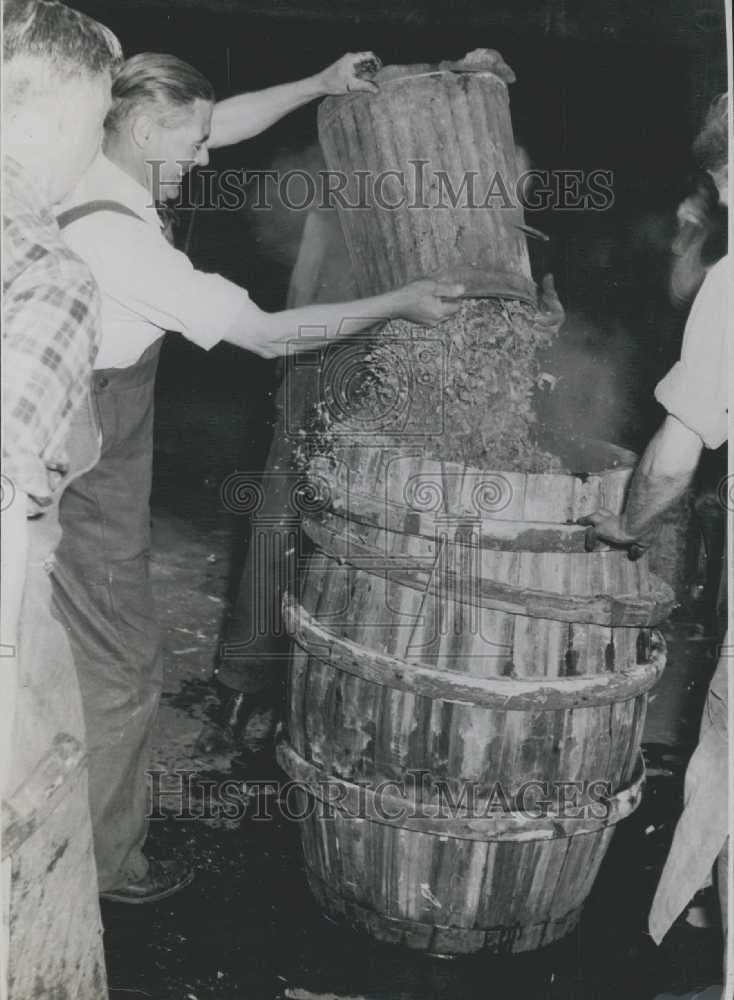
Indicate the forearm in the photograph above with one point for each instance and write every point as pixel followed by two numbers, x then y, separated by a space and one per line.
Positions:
pixel 334 320
pixel 662 476
pixel 295 330
pixel 246 115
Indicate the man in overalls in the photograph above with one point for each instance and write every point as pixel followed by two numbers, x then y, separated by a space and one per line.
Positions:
pixel 56 88
pixel 163 115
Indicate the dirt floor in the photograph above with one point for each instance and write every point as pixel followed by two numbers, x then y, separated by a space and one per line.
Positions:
pixel 248 929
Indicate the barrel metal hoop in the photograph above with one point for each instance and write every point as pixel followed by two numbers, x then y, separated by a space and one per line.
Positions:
pixel 595 609
pixel 439 938
pixel 502 693
pixel 364 803
pixel 481 532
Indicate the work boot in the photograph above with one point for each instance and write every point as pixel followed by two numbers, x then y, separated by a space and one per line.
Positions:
pixel 163 879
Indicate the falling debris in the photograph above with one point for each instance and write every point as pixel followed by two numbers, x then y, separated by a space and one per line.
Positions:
pixel 469 387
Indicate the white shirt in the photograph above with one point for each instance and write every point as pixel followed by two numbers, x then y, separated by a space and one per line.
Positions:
pixel 696 388
pixel 147 285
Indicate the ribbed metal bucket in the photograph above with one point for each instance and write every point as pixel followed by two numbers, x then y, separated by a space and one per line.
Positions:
pixel 429 181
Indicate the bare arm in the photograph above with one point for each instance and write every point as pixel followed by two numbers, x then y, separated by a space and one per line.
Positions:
pixel 661 477
pixel 425 302
pixel 665 470
pixel 246 115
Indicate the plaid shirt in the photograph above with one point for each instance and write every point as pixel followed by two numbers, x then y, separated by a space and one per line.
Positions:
pixel 51 308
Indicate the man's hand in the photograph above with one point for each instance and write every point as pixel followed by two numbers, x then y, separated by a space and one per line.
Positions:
pixel 694 208
pixel 603 526
pixel 551 314
pixel 694 221
pixel 427 301
pixel 482 59
pixel 246 115
pixel 350 74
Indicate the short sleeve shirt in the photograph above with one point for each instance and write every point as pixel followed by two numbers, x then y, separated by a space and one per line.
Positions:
pixel 148 287
pixel 695 390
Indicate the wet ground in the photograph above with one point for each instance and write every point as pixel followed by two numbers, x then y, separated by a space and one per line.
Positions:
pixel 248 929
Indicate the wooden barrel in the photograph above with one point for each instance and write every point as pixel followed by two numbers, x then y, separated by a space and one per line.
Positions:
pixel 430 181
pixel 467 695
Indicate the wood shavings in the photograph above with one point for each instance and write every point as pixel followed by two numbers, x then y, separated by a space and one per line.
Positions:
pixel 466 389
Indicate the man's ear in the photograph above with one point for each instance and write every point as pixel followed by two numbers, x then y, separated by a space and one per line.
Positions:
pixel 141 130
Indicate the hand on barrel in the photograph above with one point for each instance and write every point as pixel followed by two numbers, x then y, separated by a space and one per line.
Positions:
pixel 428 301
pixel 603 526
pixel 350 73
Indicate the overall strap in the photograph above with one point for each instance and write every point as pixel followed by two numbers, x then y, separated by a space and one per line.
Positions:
pixel 90 207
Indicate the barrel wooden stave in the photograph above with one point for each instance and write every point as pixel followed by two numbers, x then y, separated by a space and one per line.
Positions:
pixel 455 551
pixel 386 472
pixel 442 893
pixel 457 743
pixel 434 628
pixel 489 893
pixel 362 731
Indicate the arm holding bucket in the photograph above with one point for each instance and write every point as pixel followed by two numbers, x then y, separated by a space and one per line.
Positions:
pixel 246 115
pixel 424 301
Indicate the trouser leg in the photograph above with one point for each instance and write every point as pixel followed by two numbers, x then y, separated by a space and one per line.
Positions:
pixel 104 597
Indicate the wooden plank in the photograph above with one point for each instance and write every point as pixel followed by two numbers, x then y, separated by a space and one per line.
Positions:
pixel 45 788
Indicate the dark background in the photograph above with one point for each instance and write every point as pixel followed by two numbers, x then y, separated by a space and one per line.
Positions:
pixel 606 84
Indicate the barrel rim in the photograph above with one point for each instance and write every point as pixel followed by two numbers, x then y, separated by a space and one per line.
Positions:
pixel 487 283
pixel 328 107
pixel 451 468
